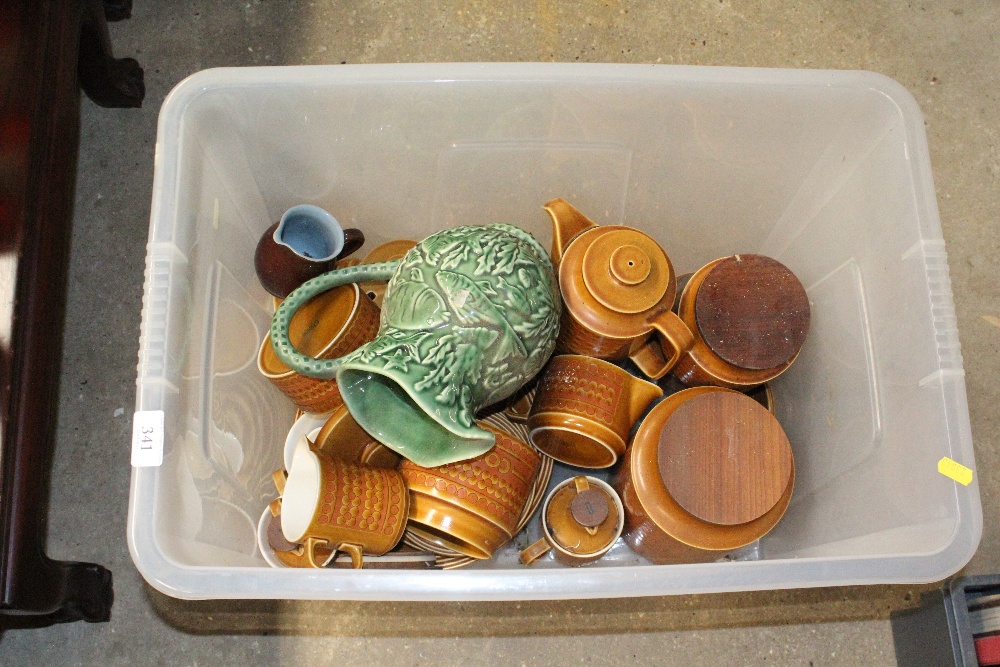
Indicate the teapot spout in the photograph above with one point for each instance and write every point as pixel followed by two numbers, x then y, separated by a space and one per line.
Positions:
pixel 567 222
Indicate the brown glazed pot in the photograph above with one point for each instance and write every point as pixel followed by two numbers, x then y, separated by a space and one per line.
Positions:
pixel 305 243
pixel 749 315
pixel 618 286
pixel 709 470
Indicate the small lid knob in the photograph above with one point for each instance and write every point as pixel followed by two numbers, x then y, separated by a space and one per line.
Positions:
pixel 589 508
pixel 630 265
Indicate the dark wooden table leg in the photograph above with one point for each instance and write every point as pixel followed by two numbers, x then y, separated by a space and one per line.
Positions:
pixel 46 49
pixel 108 81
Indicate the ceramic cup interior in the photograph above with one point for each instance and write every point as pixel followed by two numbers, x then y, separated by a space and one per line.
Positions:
pixel 311 232
pixel 308 424
pixel 302 488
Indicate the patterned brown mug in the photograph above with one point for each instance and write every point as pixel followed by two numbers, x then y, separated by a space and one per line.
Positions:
pixel 329 505
pixel 329 326
pixel 585 408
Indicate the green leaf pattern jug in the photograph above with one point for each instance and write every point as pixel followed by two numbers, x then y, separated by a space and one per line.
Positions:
pixel 470 315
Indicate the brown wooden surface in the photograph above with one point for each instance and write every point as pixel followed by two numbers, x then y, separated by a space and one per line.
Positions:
pixel 724 458
pixel 40 59
pixel 753 312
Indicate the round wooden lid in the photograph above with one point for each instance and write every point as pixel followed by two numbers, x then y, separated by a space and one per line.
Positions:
pixel 753 312
pixel 626 271
pixel 724 458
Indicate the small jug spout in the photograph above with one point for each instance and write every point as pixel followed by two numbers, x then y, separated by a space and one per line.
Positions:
pixel 641 395
pixel 567 222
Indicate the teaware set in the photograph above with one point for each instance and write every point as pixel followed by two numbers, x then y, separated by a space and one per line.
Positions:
pixel 438 381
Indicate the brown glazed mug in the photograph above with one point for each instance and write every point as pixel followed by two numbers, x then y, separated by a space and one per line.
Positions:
pixel 708 471
pixel 330 505
pixel 279 552
pixel 343 438
pixel 581 520
pixel 618 286
pixel 749 315
pixel 473 507
pixel 327 327
pixel 585 408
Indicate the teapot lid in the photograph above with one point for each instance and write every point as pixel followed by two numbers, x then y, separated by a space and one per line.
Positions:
pixel 616 275
pixel 626 270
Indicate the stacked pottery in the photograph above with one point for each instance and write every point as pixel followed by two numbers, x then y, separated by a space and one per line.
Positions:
pixel 440 381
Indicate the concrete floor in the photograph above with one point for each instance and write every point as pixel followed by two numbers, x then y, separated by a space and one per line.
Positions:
pixel 945 53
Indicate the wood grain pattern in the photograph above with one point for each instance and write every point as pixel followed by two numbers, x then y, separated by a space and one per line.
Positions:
pixel 753 312
pixel 724 458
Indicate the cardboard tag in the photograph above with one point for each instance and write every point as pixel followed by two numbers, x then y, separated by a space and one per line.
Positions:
pixel 955 470
pixel 147 438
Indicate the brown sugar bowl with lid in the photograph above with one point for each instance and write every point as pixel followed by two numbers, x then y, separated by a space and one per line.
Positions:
pixel 749 315
pixel 709 470
pixel 581 520
pixel 617 287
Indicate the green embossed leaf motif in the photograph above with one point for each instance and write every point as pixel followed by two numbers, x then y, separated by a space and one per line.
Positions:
pixel 469 316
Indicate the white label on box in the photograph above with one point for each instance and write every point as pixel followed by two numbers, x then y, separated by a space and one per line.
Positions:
pixel 147 438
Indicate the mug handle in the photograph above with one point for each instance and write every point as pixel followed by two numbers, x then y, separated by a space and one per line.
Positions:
pixel 310 548
pixel 669 333
pixel 279 476
pixel 281 342
pixel 354 550
pixel 535 551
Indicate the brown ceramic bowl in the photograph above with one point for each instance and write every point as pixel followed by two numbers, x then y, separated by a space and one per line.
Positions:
pixel 473 507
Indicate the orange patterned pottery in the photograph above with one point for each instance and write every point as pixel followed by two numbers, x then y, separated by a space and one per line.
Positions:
pixel 618 286
pixel 343 438
pixel 385 252
pixel 581 520
pixel 749 315
pixel 329 326
pixel 585 408
pixel 473 506
pixel 329 505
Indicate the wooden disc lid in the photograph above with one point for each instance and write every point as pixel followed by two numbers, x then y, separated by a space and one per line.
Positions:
pixel 724 458
pixel 753 312
pixel 626 270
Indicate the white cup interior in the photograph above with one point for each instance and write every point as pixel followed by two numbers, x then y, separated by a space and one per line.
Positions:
pixel 298 503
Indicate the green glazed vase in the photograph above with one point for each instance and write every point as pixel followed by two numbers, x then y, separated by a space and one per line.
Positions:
pixel 470 315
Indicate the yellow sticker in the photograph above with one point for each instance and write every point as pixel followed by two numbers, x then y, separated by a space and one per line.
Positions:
pixel 955 471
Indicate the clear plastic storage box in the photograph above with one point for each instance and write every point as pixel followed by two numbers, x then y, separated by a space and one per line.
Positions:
pixel 827 172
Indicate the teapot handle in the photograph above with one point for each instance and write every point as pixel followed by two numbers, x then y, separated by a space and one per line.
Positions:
pixel 656 353
pixel 283 348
